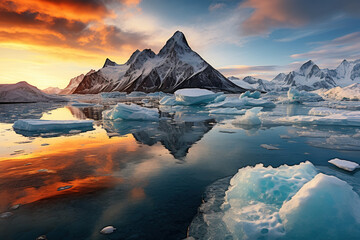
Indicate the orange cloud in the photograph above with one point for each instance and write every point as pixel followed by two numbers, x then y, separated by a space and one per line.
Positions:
pixel 76 24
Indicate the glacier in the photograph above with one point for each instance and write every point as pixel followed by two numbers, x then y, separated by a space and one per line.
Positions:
pixel 131 112
pixel 287 202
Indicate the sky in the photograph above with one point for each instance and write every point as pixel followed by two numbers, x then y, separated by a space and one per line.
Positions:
pixel 48 42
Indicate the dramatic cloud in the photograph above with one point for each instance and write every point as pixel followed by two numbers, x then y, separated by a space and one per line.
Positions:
pixel 268 15
pixel 76 24
pixel 330 53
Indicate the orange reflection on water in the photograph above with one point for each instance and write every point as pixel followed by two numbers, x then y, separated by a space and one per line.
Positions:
pixel 86 164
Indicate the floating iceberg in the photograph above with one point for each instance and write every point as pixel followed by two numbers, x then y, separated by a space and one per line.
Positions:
pixel 250 118
pixel 113 94
pixel 193 96
pixel 136 94
pixel 107 230
pixel 339 118
pixel 344 164
pixel 288 203
pixel 249 94
pixel 351 92
pixel 39 125
pixel 296 96
pixel 168 101
pixel 131 112
pixel 269 147
pixel 322 111
pixel 228 111
pixel 242 102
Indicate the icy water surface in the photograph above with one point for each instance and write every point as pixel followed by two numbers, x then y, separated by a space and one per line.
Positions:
pixel 147 179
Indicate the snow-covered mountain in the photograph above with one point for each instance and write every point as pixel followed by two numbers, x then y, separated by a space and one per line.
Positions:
pixel 176 66
pixel 22 92
pixel 52 90
pixel 308 77
pixel 252 83
pixel 74 83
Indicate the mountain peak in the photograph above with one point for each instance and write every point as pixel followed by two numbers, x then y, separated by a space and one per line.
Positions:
pixel 108 62
pixel 133 57
pixel 177 42
pixel 306 67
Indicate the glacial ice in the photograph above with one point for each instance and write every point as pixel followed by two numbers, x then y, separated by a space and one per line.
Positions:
pixel 250 118
pixel 344 164
pixel 242 102
pixel 351 92
pixel 136 94
pixel 288 203
pixel 107 230
pixel 228 111
pixel 335 118
pixel 296 96
pixel 131 112
pixel 168 101
pixel 249 94
pixel 113 94
pixel 39 125
pixel 193 96
pixel 269 147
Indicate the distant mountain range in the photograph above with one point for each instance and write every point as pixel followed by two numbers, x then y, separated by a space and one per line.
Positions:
pixel 308 77
pixel 22 92
pixel 176 66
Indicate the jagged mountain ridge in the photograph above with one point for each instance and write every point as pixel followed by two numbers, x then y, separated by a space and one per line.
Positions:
pixel 74 82
pixel 176 66
pixel 308 77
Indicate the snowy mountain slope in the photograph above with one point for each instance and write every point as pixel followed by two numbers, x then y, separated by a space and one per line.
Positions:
pixel 252 83
pixel 74 82
pixel 308 77
pixel 52 90
pixel 175 66
pixel 22 92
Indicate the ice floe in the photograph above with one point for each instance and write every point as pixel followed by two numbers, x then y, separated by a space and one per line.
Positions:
pixel 296 96
pixel 288 202
pixel 269 147
pixel 249 94
pixel 39 125
pixel 344 164
pixel 131 112
pixel 107 230
pixel 228 111
pixel 242 102
pixel 250 118
pixel 339 118
pixel 113 94
pixel 192 96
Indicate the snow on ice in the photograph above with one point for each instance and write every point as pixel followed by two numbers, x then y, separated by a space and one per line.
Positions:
pixel 344 164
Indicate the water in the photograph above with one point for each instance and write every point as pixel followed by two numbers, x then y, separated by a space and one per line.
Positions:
pixel 146 179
